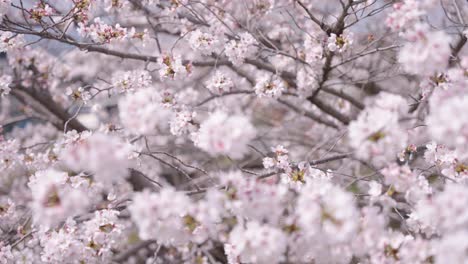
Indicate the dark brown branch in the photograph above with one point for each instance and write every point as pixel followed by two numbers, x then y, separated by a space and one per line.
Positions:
pixel 344 96
pixel 329 159
pixel 331 111
pixel 53 107
pixel 259 64
pixel 309 114
pixel 321 24
pixel 456 49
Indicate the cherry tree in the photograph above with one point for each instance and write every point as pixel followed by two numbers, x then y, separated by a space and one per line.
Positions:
pixel 233 131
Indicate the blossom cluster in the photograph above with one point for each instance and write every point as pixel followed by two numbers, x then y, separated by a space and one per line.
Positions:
pixel 263 131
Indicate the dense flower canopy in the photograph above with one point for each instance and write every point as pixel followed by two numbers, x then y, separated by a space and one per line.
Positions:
pixel 233 131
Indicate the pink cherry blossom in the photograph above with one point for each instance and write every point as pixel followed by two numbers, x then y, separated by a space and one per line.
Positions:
pixel 219 131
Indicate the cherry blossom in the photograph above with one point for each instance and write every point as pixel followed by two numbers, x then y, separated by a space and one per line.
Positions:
pixel 131 81
pixel 257 201
pixel 456 129
pixel 171 67
pixel 204 42
pixel 220 83
pixel 405 14
pixel 116 4
pixel 376 133
pixel 85 154
pixel 137 112
pixel 263 131
pixel 324 217
pixel 61 245
pixel 4 5
pixel 5 82
pixel 79 94
pixel 40 10
pixel 183 122
pixel 423 43
pixel 269 87
pixel 100 32
pixel 103 232
pixel 340 43
pixel 221 134
pixel 258 243
pixel 401 178
pixel 451 248
pixel 155 221
pixel 6 255
pixel 9 41
pixel 239 50
pixel 53 199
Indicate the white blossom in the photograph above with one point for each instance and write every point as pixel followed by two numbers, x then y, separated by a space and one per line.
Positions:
pixel 376 134
pixel 131 81
pixel 258 243
pixel 340 43
pixel 221 134
pixel 442 211
pixel 54 199
pixel 4 6
pixel 171 67
pixel 426 53
pixel 239 50
pixel 417 250
pixel 103 232
pixel 62 245
pixel 451 248
pixel 142 112
pixel 116 4
pixel 270 87
pixel 105 156
pixel 204 42
pixel 154 132
pixel 6 256
pixel 5 81
pixel 450 131
pixel 101 32
pixel 163 216
pixel 399 177
pixel 254 200
pixel 220 83
pixel 405 14
pixel 182 122
pixel 8 40
pixel 79 94
pixel 326 212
